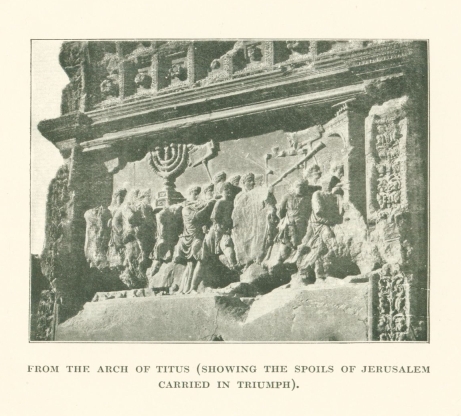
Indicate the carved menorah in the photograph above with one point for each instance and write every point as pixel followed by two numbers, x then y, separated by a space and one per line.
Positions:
pixel 171 160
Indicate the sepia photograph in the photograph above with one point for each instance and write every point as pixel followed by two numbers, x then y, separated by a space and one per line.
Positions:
pixel 229 190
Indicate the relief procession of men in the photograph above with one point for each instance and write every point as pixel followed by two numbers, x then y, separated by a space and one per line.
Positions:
pixel 237 191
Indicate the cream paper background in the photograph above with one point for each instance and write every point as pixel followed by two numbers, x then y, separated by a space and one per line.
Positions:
pixel 23 393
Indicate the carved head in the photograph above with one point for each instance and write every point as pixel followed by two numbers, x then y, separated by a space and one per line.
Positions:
pixel 143 80
pixel 219 177
pixel 254 53
pixel 208 191
pixel 177 71
pixel 314 173
pixel 300 187
pixel 108 88
pixel 194 192
pixel 248 181
pixel 144 196
pixel 227 191
pixel 235 180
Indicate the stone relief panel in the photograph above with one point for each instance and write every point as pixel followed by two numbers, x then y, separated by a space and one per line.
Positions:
pixel 297 224
pixel 230 199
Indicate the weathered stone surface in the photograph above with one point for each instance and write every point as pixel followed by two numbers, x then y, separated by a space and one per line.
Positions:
pixel 168 275
pixel 356 253
pixel 315 313
pixel 97 236
pixel 263 281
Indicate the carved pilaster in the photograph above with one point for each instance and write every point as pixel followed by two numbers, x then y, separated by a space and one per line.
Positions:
pixel 81 183
pixel 313 48
pixel 390 306
pixel 268 48
pixel 155 73
pixel 396 200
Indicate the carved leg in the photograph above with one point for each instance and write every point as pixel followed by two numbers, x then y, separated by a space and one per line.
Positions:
pixel 226 245
pixel 197 277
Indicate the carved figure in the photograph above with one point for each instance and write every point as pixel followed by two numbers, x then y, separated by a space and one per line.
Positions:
pixel 116 244
pixel 97 236
pixel 195 214
pixel 218 240
pixel 145 232
pixel 138 236
pixel 218 180
pixel 208 196
pixel 255 224
pixel 295 210
pixel 319 240
pixel 169 227
pixel 248 181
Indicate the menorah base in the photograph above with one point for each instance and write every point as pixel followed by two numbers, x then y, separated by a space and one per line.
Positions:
pixel 167 197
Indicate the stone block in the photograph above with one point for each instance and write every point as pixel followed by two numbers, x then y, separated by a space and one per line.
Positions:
pixel 313 313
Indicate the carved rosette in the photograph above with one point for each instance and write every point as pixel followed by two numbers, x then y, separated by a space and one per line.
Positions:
pixel 392 320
